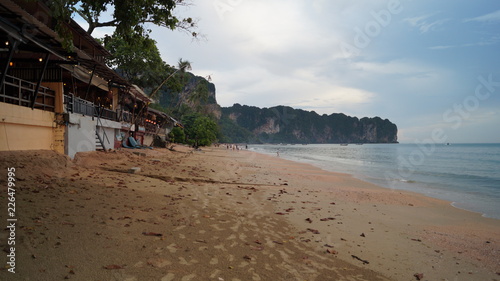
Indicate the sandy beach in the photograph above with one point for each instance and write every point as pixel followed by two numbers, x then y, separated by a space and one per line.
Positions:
pixel 219 214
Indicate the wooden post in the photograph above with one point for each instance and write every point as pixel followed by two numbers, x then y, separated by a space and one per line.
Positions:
pixel 90 82
pixel 35 94
pixel 7 62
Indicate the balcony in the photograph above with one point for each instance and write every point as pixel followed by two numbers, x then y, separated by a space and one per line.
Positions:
pixel 77 105
pixel 19 92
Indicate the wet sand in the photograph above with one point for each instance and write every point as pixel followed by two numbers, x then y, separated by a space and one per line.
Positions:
pixel 229 215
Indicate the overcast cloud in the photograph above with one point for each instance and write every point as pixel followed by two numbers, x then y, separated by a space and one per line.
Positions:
pixel 417 63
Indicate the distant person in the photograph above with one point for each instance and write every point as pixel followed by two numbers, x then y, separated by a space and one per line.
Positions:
pixel 278 153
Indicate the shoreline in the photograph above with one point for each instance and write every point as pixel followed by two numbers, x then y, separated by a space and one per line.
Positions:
pixel 458 226
pixel 376 182
pixel 232 215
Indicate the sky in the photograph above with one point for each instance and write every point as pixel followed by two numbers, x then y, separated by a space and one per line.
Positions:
pixel 430 67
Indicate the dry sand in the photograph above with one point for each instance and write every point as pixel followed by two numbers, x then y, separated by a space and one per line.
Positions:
pixel 229 215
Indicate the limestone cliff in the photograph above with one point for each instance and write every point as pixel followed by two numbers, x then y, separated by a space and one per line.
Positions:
pixel 198 94
pixel 287 125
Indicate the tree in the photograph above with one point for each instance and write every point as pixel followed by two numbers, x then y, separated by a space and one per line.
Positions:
pixel 205 131
pixel 130 17
pixel 140 62
pixel 200 130
pixel 182 67
pixel 200 92
pixel 177 135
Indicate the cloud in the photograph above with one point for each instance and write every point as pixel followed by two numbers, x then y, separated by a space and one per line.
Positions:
pixel 330 98
pixel 485 42
pixel 394 67
pixel 256 85
pixel 287 52
pixel 491 17
pixel 443 47
pixel 423 24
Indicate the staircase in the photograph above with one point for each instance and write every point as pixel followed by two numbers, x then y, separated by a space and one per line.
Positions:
pixel 99 143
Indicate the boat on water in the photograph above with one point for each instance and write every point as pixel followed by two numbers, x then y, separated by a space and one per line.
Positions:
pixel 344 144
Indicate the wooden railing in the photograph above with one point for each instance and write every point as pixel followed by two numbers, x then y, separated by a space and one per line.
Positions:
pixel 20 92
pixel 77 105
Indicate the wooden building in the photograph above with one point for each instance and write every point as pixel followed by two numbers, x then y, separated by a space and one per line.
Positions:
pixel 52 98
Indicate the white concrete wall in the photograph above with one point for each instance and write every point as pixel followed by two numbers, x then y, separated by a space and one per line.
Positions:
pixel 112 129
pixel 80 134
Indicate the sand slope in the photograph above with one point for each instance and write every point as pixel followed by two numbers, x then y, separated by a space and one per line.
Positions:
pixel 183 217
pixel 229 215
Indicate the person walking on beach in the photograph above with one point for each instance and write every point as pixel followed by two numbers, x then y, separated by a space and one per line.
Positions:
pixel 278 152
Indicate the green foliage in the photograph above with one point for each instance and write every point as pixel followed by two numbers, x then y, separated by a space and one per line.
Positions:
pixel 283 124
pixel 138 60
pixel 130 18
pixel 157 106
pixel 177 135
pixel 233 133
pixel 200 130
pixel 196 95
pixel 61 11
pixel 200 92
pixel 177 76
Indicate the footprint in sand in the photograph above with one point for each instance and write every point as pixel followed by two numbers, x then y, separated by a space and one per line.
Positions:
pixel 172 248
pixel 235 227
pixel 231 237
pixel 214 261
pixel 255 276
pixel 180 228
pixel 158 262
pixel 168 277
pixel 284 255
pixel 289 251
pixel 243 264
pixel 188 277
pixel 217 227
pixel 183 261
pixel 243 237
pixel 220 247
pixel 130 278
pixel 215 273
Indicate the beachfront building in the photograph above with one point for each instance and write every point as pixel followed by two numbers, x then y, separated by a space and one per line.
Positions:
pixel 158 126
pixel 52 98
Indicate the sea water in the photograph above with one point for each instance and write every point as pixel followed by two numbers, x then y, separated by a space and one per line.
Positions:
pixel 468 175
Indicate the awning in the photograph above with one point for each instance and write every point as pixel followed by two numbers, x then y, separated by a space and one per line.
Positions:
pixel 84 75
pixel 138 93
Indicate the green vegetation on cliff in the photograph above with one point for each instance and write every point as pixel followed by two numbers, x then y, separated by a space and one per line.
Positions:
pixel 282 124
